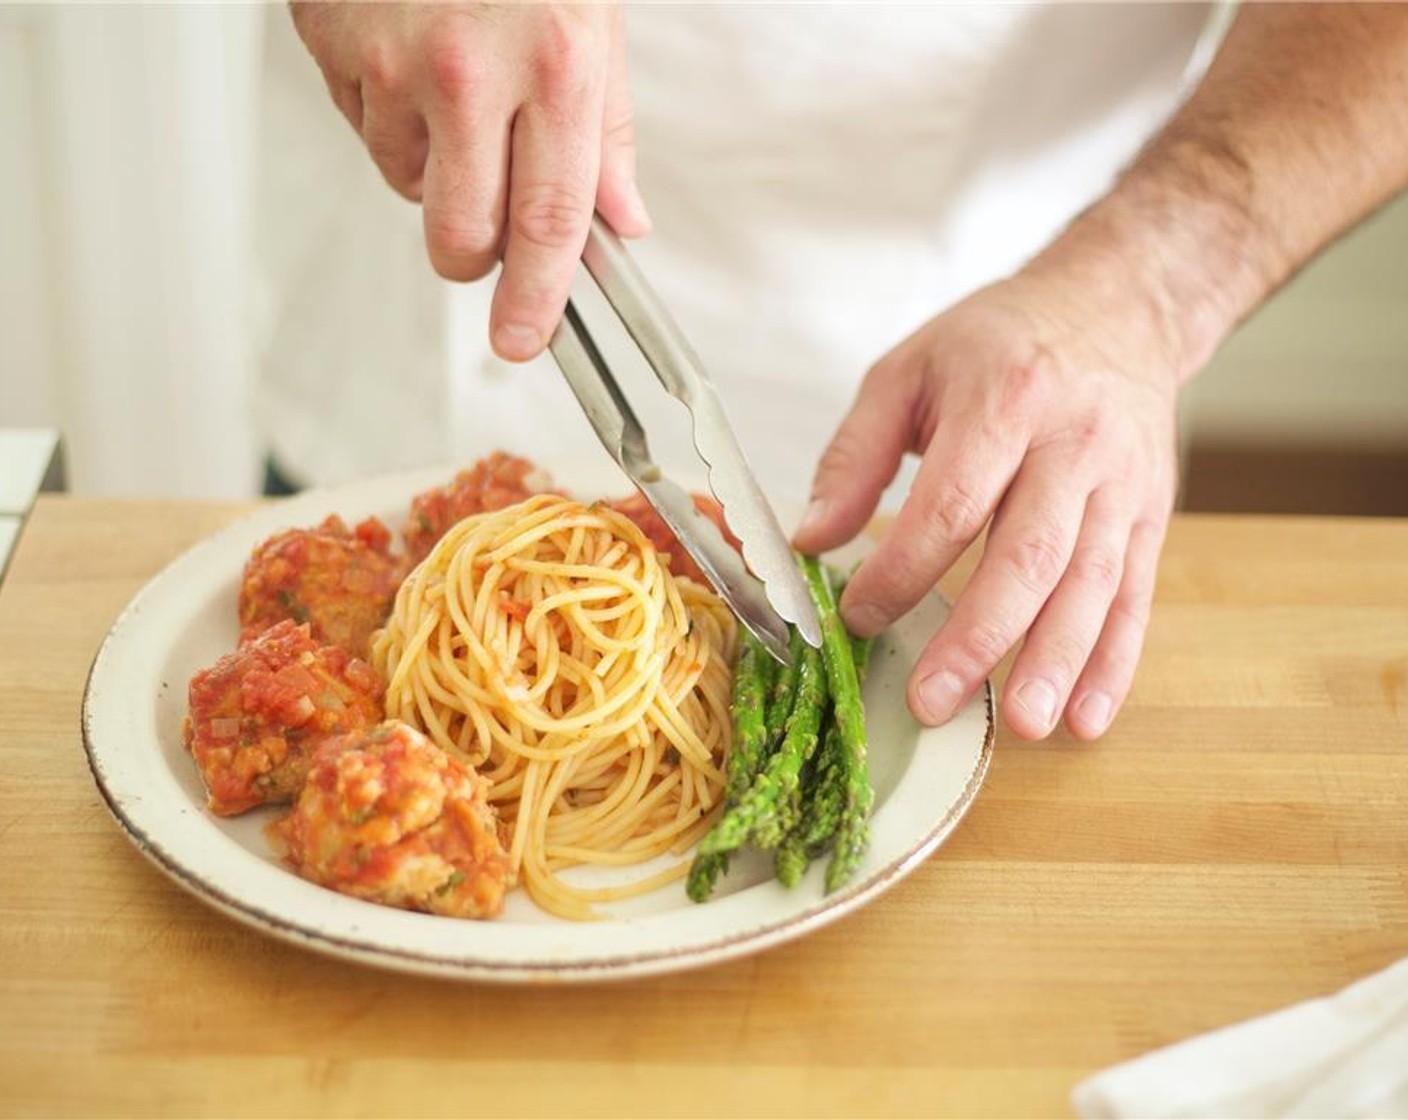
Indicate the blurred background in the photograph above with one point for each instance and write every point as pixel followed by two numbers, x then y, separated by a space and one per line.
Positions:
pixel 127 140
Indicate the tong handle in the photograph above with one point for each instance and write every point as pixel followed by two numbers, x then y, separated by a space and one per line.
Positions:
pixel 680 371
pixel 598 392
pixel 624 285
pixel 621 433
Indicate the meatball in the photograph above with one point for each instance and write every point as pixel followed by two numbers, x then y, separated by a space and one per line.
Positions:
pixel 388 816
pixel 680 562
pixel 495 482
pixel 340 581
pixel 254 718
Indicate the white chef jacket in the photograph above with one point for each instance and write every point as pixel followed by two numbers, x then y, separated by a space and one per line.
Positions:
pixel 822 179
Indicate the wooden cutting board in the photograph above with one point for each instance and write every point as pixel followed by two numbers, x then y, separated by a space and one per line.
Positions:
pixel 1238 842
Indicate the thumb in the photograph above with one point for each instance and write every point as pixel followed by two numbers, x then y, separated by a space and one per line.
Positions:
pixel 617 196
pixel 862 458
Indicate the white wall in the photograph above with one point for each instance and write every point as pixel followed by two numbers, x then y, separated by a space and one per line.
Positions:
pixel 1325 362
pixel 26 278
pixel 125 161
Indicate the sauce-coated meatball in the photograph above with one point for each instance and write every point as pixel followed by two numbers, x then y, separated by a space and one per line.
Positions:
pixel 388 816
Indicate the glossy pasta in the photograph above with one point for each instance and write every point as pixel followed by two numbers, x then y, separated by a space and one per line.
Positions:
pixel 547 645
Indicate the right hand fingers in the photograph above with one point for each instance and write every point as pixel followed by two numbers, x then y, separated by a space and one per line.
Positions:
pixel 396 138
pixel 968 466
pixel 372 79
pixel 466 172
pixel 1107 677
pixel 617 196
pixel 555 163
pixel 863 456
pixel 446 97
pixel 1028 551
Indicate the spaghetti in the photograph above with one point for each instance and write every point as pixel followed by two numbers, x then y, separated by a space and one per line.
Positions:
pixel 548 646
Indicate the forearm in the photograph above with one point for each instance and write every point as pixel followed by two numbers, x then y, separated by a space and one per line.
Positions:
pixel 1298 131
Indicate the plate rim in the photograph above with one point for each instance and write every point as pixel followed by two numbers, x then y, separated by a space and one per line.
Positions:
pixel 635 963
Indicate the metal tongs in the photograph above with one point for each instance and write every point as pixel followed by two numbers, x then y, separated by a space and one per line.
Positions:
pixel 764 586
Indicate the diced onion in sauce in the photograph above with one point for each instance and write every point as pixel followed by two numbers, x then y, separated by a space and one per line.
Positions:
pixel 297 678
pixel 225 727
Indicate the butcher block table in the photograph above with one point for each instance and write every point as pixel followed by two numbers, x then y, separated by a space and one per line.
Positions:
pixel 1237 842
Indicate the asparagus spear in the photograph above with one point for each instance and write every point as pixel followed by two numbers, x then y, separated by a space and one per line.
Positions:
pixel 752 678
pixel 704 875
pixel 823 796
pixel 750 738
pixel 754 816
pixel 793 758
pixel 853 832
pixel 784 690
pixel 822 812
pixel 794 854
pixel 791 859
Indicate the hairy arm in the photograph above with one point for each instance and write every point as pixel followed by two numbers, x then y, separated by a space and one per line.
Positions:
pixel 1044 406
pixel 1297 132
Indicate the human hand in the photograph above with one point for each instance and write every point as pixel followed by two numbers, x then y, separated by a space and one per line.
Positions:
pixel 1050 413
pixel 508 123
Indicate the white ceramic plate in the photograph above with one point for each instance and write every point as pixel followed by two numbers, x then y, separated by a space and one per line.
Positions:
pixel 185 618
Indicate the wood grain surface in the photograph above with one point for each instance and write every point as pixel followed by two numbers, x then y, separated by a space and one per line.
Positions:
pixel 1239 841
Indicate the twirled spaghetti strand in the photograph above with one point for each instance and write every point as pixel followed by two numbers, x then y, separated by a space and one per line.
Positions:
pixel 547 645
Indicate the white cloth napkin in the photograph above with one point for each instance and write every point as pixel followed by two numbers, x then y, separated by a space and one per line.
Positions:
pixel 1345 1055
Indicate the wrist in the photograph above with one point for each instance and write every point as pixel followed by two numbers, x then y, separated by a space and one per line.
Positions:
pixel 1173 249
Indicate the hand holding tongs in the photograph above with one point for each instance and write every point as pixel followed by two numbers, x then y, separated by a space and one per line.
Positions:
pixel 773 590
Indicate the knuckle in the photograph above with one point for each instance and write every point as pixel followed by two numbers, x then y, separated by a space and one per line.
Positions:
pixel 620 132
pixel 400 176
pixel 381 68
pixel 1131 611
pixel 1027 382
pixel 955 513
pixel 1099 567
pixel 408 184
pixel 560 60
pixel 1038 559
pixel 1092 433
pixel 550 215
pixel 461 249
pixel 1063 655
pixel 461 269
pixel 451 69
pixel 381 144
pixel 984 644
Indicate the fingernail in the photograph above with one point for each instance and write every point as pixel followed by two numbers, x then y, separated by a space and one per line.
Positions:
pixel 814 516
pixel 1038 700
pixel 514 340
pixel 1095 712
pixel 939 695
